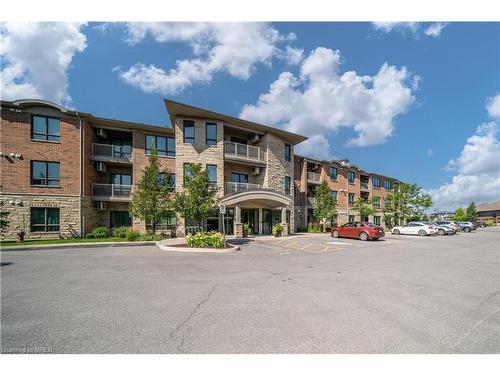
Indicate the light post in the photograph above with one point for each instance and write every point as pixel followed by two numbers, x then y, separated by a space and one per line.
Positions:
pixel 345 163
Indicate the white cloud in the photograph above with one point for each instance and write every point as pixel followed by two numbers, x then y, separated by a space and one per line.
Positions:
pixel 235 48
pixel 478 171
pixel 416 29
pixel 323 99
pixel 493 106
pixel 430 153
pixel 37 57
pixel 434 29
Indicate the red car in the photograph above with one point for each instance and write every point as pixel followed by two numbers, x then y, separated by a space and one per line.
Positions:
pixel 358 229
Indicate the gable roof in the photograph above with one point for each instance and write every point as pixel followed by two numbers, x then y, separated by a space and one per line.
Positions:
pixel 493 206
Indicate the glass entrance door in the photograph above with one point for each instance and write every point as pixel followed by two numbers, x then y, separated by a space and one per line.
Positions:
pixel 250 217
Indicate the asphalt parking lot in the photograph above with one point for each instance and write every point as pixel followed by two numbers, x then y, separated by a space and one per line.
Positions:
pixel 302 294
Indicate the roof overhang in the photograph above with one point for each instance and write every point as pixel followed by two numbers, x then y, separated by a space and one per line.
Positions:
pixel 264 197
pixel 176 109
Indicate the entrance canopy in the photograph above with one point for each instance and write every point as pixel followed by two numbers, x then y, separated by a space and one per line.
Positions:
pixel 258 198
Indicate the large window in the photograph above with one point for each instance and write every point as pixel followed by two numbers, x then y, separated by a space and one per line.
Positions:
pixel 333 173
pixel 119 219
pixel 167 179
pixel 189 131
pixel 334 195
pixel 351 198
pixel 351 176
pixel 288 152
pixel 388 185
pixel 45 129
pixel 167 223
pixel 212 174
pixel 376 220
pixel 376 182
pixel 211 133
pixel 165 146
pixel 376 202
pixel 288 181
pixel 44 219
pixel 351 219
pixel 44 173
pixel 121 179
pixel 239 177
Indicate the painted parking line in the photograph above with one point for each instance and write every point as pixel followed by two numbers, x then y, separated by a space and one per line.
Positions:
pixel 339 243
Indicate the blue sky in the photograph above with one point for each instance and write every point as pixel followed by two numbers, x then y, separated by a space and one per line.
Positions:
pixel 442 81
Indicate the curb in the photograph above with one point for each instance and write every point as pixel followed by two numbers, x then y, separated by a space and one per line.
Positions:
pixel 76 245
pixel 232 249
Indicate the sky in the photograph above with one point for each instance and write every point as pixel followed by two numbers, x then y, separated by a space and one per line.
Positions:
pixel 417 101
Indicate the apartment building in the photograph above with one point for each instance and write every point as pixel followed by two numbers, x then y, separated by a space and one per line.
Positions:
pixel 65 172
pixel 347 182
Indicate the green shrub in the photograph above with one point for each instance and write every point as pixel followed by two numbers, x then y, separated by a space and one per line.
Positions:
pixel 132 235
pixel 277 229
pixel 314 228
pixel 248 229
pixel 151 237
pixel 205 239
pixel 89 235
pixel 490 223
pixel 100 232
pixel 120 232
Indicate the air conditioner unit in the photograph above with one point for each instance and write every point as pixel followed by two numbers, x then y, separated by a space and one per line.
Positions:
pixel 256 171
pixel 101 132
pixel 100 166
pixel 100 205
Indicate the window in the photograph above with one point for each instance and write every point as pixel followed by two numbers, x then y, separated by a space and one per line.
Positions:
pixel 44 173
pixel 333 173
pixel 211 133
pixel 212 174
pixel 165 146
pixel 376 220
pixel 288 152
pixel 122 148
pixel 187 172
pixel 239 177
pixel 167 179
pixel 334 195
pixel 119 219
pixel 376 202
pixel 189 131
pixel 351 198
pixel 44 219
pixel 351 218
pixel 376 182
pixel 121 179
pixel 287 185
pixel 351 176
pixel 46 129
pixel 388 185
pixel 168 223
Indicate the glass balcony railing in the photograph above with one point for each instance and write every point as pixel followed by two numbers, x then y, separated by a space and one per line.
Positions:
pixel 104 152
pixel 111 191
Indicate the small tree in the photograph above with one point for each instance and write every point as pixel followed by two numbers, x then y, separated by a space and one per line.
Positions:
pixel 365 207
pixel 459 215
pixel 471 213
pixel 407 202
pixel 324 207
pixel 197 200
pixel 150 201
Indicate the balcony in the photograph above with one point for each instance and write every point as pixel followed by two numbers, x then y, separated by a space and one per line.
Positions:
pixel 111 153
pixel 244 153
pixel 236 187
pixel 313 178
pixel 364 186
pixel 111 192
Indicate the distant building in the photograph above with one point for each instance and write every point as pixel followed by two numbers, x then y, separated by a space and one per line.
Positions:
pixel 489 211
pixel 442 215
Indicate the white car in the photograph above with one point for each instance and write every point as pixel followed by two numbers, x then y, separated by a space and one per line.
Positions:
pixel 414 228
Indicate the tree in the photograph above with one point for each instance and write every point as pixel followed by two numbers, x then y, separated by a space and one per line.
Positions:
pixel 365 207
pixel 197 200
pixel 459 215
pixel 408 202
pixel 4 223
pixel 150 201
pixel 324 207
pixel 471 213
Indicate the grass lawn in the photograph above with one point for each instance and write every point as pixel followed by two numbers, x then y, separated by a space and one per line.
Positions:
pixel 60 241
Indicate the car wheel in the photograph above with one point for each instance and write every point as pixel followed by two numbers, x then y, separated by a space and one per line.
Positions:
pixel 335 234
pixel 441 232
pixel 466 229
pixel 396 231
pixel 363 236
pixel 422 233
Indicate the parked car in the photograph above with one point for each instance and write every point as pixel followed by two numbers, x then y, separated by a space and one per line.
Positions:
pixel 452 224
pixel 478 224
pixel 416 228
pixel 440 229
pixel 467 226
pixel 358 229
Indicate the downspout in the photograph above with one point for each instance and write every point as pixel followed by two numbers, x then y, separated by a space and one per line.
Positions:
pixel 81 175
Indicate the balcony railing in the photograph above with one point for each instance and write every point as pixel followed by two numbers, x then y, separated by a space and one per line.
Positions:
pixel 112 191
pixel 242 151
pixel 364 185
pixel 313 177
pixel 109 152
pixel 236 187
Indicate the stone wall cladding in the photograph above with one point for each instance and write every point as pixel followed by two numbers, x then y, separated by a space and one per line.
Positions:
pixel 20 216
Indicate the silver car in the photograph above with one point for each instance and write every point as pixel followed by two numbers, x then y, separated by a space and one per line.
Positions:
pixel 440 230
